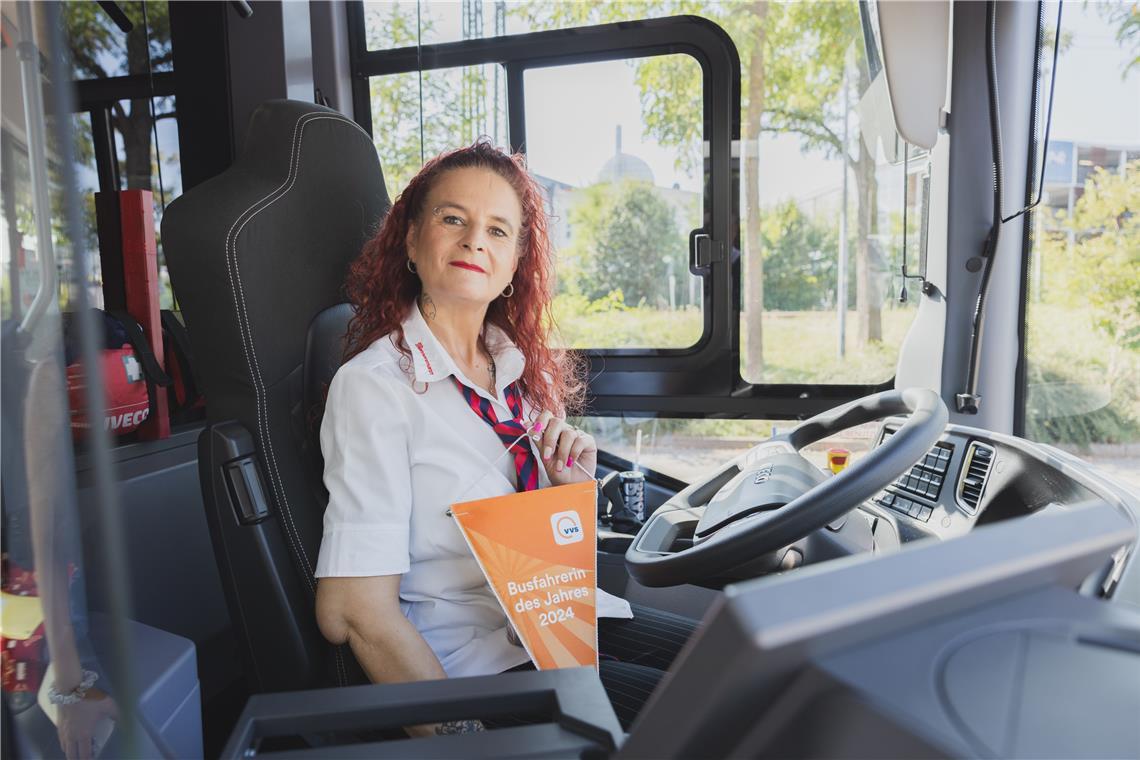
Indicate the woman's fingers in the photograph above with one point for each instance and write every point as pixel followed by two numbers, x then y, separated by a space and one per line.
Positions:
pixel 583 443
pixel 551 431
pixel 562 455
pixel 557 442
pixel 540 427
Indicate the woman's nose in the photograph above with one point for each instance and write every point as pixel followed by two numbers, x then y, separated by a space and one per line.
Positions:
pixel 474 240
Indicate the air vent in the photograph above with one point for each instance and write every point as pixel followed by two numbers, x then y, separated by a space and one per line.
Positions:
pixel 975 473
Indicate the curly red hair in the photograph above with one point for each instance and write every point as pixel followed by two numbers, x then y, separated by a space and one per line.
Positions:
pixel 381 289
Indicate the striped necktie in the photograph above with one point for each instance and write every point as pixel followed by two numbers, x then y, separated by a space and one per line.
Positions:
pixel 526 463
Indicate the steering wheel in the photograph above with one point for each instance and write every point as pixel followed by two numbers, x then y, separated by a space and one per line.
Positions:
pixel 771 496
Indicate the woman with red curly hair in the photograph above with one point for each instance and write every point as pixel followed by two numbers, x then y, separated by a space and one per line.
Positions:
pixel 447 361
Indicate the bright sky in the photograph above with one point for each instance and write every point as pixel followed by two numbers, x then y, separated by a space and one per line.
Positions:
pixel 568 142
pixel 1093 103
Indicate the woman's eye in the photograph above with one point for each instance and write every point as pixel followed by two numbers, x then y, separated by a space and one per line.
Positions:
pixel 498 232
pixel 452 219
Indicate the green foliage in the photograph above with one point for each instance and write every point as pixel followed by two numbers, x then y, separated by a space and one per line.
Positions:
pixel 1105 265
pixel 801 345
pixel 451 99
pixel 804 49
pixel 94 41
pixel 609 323
pixel 1081 386
pixel 1084 330
pixel 793 58
pixel 800 260
pixel 625 237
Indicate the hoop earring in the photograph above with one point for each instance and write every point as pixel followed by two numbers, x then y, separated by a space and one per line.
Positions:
pixel 511 287
pixel 412 267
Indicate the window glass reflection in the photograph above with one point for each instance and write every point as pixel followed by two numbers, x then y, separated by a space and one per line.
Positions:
pixel 100 49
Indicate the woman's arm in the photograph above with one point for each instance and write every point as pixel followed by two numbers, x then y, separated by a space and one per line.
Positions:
pixel 365 613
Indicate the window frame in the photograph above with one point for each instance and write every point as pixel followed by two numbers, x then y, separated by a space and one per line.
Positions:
pixel 703 380
pixel 1028 239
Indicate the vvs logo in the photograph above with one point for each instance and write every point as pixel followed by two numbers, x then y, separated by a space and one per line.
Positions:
pixel 567 527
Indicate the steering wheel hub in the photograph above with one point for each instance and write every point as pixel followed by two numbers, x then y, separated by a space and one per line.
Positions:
pixel 765 486
pixel 770 497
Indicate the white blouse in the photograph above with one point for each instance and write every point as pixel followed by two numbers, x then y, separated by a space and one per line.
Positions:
pixel 397 455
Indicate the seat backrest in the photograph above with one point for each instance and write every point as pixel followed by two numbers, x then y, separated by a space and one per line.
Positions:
pixel 255 254
pixel 324 351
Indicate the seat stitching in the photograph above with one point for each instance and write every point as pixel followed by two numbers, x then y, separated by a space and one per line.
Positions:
pixel 247 342
pixel 246 332
pixel 259 384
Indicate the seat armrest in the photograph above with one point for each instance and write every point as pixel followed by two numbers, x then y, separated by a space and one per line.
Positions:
pixel 579 714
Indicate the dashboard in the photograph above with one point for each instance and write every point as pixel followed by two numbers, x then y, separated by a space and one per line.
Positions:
pixel 972 477
pixel 969 477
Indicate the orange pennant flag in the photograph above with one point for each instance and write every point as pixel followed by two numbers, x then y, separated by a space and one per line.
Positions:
pixel 538 552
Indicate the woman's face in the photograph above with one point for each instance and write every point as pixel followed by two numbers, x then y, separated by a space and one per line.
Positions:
pixel 465 243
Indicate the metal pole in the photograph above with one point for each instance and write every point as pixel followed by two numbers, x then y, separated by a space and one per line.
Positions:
pixel 841 284
pixel 34 125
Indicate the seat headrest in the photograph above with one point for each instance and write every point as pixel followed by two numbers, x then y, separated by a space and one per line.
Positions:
pixel 258 251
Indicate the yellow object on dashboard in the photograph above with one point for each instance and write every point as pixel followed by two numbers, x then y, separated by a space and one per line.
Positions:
pixel 837 460
pixel 19 615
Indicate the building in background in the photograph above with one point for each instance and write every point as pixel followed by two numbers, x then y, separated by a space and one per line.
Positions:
pixel 620 167
pixel 1068 166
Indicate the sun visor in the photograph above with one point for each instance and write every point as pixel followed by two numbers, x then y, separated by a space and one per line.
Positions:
pixel 915 42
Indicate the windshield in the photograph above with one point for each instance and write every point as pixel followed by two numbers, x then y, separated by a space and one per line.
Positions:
pixel 829 195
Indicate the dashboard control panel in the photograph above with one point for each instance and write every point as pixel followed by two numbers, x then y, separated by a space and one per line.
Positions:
pixel 916 492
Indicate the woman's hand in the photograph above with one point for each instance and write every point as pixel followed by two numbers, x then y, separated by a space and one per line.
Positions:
pixel 78 723
pixel 563 448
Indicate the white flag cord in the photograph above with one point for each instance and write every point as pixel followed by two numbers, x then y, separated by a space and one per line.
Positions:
pixel 498 459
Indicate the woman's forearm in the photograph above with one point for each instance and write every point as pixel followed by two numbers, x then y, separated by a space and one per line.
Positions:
pixel 365 614
pixel 396 654
pixel 393 651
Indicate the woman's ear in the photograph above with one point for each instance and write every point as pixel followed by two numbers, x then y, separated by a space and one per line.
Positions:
pixel 410 241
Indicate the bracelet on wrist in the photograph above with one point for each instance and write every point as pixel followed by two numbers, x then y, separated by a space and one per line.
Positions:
pixel 459 727
pixel 77 694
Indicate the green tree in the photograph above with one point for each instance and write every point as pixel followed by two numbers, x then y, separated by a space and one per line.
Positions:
pixel 793 68
pixel 799 260
pixel 1103 268
pixel 626 238
pixel 1084 340
pixel 454 101
pixel 99 50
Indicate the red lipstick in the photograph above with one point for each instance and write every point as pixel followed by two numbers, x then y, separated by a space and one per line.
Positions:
pixel 472 267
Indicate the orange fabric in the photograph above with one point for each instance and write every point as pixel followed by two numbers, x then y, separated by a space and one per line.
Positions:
pixel 537 550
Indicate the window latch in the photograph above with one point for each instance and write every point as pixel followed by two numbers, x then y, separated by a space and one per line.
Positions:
pixel 705 251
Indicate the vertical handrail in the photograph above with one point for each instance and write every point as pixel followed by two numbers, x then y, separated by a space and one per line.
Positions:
pixel 35 128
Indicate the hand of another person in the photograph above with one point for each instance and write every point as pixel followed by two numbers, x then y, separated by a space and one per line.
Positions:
pixel 562 447
pixel 78 723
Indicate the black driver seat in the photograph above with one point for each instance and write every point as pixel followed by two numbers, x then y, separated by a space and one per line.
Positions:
pixel 258 256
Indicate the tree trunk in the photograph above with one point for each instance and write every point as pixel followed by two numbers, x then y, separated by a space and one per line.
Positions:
pixel 136 127
pixel 868 295
pixel 753 252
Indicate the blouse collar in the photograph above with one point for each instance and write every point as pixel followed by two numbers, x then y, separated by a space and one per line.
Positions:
pixel 431 362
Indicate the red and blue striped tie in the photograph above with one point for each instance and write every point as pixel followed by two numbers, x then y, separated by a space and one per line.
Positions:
pixel 526 464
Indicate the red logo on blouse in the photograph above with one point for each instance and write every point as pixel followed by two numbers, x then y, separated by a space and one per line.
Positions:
pixel 420 346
